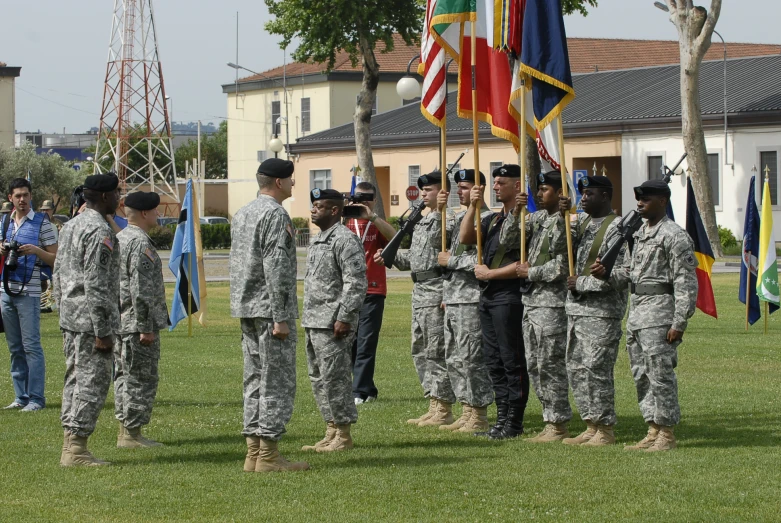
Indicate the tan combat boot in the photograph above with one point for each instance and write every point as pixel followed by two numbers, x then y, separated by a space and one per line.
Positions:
pixel 443 415
pixel 583 437
pixel 665 440
pixel 78 455
pixel 466 414
pixel 648 440
pixel 552 432
pixel 478 422
pixel 602 438
pixel 64 457
pixel 330 433
pixel 133 439
pixel 432 404
pixel 253 451
pixel 269 459
pixel 341 441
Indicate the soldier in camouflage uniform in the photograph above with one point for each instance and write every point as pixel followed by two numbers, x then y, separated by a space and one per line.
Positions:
pixel 663 287
pixel 428 317
pixel 263 297
pixel 86 288
pixel 461 296
pixel 334 289
pixel 594 309
pixel 143 313
pixel 544 318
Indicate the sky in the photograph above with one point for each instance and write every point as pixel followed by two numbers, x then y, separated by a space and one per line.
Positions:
pixel 62 48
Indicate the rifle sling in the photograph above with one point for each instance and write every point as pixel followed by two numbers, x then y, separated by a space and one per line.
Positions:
pixel 598 239
pixel 544 255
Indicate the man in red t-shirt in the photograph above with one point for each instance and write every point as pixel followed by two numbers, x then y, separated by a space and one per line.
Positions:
pixel 374 233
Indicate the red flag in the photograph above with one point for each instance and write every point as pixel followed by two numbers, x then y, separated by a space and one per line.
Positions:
pixel 703 252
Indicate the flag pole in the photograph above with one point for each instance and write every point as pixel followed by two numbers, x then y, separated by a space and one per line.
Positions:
pixel 443 169
pixel 748 285
pixel 475 138
pixel 767 313
pixel 522 163
pixel 565 192
pixel 190 271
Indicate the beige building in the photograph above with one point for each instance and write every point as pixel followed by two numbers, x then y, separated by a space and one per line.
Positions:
pixel 7 104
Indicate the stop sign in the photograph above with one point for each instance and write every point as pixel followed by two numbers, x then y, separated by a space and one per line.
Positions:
pixel 413 193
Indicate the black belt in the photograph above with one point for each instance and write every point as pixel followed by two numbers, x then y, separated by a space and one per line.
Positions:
pixel 426 275
pixel 651 289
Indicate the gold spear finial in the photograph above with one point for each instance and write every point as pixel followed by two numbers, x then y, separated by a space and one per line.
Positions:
pixel 594 169
pixel 767 172
pixel 604 170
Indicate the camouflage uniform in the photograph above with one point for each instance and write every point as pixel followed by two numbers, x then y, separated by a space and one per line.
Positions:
pixel 594 315
pixel 263 291
pixel 544 318
pixel 663 256
pixel 334 289
pixel 428 318
pixel 86 288
pixel 463 340
pixel 142 310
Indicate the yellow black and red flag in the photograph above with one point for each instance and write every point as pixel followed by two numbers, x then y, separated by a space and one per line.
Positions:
pixel 703 252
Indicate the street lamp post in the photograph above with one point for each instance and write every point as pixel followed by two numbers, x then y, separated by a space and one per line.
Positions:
pixel 662 6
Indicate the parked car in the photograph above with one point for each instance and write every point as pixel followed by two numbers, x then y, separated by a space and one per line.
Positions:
pixel 213 220
pixel 162 222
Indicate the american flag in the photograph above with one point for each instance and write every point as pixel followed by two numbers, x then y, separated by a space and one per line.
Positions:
pixel 432 68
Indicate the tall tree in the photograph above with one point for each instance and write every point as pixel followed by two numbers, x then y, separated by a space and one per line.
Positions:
pixel 326 27
pixel 214 151
pixel 695 28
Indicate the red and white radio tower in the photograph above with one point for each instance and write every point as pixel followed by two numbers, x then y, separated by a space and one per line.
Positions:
pixel 135 131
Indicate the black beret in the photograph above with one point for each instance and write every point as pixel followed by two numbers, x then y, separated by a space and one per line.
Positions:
pixel 276 168
pixel 468 175
pixel 325 194
pixel 595 182
pixel 508 171
pixel 652 188
pixel 142 201
pixel 101 182
pixel 552 178
pixel 432 178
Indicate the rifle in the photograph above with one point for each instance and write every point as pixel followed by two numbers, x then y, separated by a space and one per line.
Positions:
pixel 388 254
pixel 629 225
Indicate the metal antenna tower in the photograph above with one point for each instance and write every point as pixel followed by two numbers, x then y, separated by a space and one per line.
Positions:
pixel 135 129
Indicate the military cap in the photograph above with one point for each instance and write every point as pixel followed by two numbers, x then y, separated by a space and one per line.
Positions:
pixel 552 178
pixel 508 170
pixel 47 205
pixel 594 182
pixel 101 182
pixel 325 194
pixel 468 175
pixel 432 178
pixel 142 201
pixel 652 188
pixel 276 168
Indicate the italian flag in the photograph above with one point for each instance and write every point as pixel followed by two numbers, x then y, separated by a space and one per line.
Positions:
pixel 767 281
pixel 451 27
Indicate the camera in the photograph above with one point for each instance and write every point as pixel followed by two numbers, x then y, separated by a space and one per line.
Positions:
pixel 12 261
pixel 354 211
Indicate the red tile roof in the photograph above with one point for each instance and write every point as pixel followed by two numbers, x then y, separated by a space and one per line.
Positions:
pixel 585 55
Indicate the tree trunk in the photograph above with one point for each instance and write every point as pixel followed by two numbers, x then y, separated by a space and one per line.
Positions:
pixel 695 28
pixel 362 119
pixel 533 164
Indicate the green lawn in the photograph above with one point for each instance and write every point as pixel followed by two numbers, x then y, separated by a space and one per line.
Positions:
pixel 728 465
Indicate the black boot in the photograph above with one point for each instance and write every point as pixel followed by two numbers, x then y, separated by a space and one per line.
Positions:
pixel 501 418
pixel 513 427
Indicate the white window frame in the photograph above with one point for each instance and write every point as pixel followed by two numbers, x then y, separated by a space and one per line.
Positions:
pixel 761 175
pixel 274 129
pixel 648 155
pixel 308 114
pixel 312 174
pixel 720 154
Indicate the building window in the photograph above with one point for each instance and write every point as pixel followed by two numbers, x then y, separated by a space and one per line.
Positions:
pixel 769 159
pixel 320 179
pixel 305 119
pixel 655 164
pixel 491 168
pixel 374 107
pixel 452 199
pixel 275 114
pixel 414 174
pixel 714 177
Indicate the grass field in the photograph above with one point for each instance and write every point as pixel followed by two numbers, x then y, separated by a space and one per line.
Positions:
pixel 728 465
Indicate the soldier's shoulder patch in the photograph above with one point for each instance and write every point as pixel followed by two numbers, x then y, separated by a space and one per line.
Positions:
pixel 146 265
pixel 289 229
pixel 150 254
pixel 690 260
pixel 108 243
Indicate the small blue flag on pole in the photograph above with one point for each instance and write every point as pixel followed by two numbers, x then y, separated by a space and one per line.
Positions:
pixel 531 206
